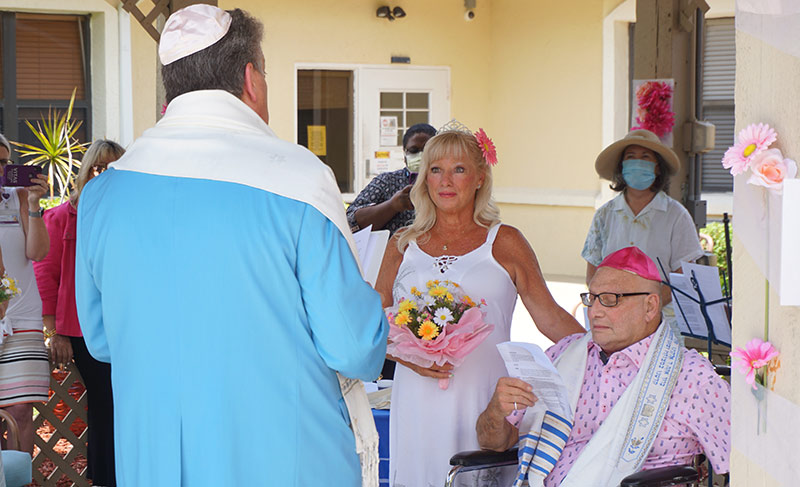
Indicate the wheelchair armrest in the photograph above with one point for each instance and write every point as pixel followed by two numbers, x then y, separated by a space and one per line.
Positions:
pixel 723 370
pixel 484 458
pixel 661 477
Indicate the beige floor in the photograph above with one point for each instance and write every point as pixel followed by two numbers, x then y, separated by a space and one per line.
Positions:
pixel 565 291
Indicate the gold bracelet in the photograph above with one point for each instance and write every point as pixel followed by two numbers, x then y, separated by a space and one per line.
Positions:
pixel 49 333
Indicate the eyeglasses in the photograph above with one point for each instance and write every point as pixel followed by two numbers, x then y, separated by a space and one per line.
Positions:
pixel 609 300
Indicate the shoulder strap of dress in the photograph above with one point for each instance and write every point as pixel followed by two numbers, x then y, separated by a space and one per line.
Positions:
pixel 493 233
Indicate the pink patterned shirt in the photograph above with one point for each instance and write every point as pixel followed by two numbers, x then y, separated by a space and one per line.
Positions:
pixel 698 418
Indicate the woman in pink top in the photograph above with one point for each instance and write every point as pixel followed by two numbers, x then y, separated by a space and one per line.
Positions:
pixel 55 277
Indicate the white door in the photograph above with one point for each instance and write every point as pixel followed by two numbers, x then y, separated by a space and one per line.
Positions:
pixel 390 100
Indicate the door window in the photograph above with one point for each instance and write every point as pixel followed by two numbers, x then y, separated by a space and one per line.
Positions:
pixel 325 120
pixel 409 108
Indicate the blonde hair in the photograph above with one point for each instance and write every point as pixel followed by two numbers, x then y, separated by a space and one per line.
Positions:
pixel 102 151
pixel 460 146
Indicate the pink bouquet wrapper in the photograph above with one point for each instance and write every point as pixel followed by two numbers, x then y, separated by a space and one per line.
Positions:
pixel 453 344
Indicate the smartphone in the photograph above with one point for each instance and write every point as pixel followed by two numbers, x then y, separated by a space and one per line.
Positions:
pixel 16 175
pixel 412 177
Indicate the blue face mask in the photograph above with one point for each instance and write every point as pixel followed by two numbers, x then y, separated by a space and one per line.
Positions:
pixel 638 174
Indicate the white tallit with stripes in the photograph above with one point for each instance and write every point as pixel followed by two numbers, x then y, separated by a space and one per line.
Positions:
pixel 199 117
pixel 622 443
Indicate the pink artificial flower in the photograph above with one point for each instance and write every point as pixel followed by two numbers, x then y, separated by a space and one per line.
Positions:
pixel 163 108
pixel 751 140
pixel 653 112
pixel 769 169
pixel 487 147
pixel 753 356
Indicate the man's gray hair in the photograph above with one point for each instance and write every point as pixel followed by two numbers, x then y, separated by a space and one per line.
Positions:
pixel 220 66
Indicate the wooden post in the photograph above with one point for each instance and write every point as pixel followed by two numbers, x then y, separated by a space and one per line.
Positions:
pixel 661 50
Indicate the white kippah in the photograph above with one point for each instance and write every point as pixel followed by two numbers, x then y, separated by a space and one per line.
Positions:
pixel 190 30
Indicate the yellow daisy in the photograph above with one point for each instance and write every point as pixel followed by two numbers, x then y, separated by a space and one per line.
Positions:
pixel 402 319
pixel 468 301
pixel 415 291
pixel 438 291
pixel 407 305
pixel 428 331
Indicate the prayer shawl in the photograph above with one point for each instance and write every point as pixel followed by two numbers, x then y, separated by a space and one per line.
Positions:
pixel 622 443
pixel 265 162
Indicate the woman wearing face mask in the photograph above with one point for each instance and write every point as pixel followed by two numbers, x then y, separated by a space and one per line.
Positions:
pixel 385 202
pixel 639 167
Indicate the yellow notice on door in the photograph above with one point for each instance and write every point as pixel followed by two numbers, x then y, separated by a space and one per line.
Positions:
pixel 317 142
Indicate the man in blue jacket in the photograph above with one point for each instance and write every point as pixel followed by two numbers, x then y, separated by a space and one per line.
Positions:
pixel 215 271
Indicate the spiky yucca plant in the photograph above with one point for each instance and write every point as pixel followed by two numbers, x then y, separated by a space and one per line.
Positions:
pixel 56 136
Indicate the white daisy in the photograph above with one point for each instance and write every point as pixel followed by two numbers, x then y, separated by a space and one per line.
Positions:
pixel 429 301
pixel 442 316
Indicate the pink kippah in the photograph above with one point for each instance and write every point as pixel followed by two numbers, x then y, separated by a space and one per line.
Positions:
pixel 633 260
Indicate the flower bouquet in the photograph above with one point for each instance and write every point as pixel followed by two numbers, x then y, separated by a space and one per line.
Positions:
pixel 438 326
pixel 8 288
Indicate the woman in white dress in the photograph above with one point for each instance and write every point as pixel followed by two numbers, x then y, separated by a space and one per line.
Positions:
pixel 457 236
pixel 24 366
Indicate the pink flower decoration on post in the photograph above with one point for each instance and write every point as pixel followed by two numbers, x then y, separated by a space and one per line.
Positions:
pixel 750 141
pixel 755 355
pixel 653 111
pixel 769 169
pixel 487 147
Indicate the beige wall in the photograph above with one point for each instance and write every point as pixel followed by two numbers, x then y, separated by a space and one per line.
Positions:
pixel 348 32
pixel 767 91
pixel 546 117
pixel 143 72
pixel 508 75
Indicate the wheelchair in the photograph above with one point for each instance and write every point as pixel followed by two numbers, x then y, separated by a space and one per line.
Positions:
pixel 658 477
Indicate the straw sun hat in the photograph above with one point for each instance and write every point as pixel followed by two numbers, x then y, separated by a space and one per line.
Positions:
pixel 609 159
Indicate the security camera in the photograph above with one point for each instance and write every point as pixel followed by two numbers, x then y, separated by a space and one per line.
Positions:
pixel 469 15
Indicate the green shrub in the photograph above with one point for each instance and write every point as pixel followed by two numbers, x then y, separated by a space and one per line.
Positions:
pixel 716 230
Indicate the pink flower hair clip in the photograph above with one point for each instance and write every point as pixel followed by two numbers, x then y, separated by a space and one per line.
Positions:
pixel 487 147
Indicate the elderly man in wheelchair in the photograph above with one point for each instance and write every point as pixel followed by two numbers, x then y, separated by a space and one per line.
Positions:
pixel 639 399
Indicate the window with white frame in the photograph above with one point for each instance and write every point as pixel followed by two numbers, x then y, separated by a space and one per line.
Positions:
pixel 410 108
pixel 44 58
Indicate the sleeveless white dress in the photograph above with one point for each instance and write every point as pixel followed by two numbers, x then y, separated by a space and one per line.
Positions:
pixel 427 424
pixel 24 365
